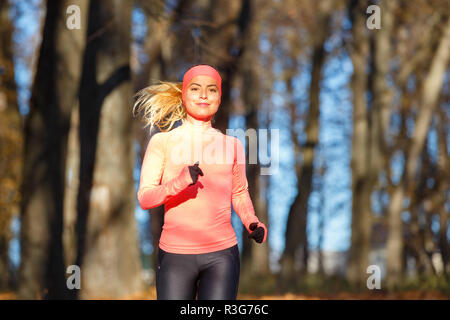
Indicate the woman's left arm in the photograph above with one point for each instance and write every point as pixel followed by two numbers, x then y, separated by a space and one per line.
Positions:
pixel 240 197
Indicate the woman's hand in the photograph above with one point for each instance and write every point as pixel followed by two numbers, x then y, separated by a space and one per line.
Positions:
pixel 194 172
pixel 258 232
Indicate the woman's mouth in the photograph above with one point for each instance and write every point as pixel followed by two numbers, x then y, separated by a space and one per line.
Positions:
pixel 203 104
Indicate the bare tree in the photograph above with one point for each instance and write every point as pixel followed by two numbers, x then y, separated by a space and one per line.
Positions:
pixel 71 186
pixel 108 251
pixel 296 237
pixel 54 93
pixel 255 258
pixel 429 94
pixel 11 142
pixel 444 173
pixel 371 120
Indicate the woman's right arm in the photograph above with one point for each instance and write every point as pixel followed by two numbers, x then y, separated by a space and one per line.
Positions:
pixel 151 193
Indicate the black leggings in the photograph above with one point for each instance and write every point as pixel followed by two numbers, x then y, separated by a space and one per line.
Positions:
pixel 209 276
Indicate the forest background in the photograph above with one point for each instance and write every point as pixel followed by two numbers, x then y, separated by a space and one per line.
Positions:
pixel 355 94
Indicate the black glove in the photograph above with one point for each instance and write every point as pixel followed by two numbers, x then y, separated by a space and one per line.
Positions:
pixel 195 171
pixel 258 234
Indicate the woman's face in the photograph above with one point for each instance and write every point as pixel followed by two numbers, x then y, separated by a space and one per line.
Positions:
pixel 202 98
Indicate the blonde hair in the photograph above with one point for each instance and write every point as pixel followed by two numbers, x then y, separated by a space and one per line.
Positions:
pixel 161 104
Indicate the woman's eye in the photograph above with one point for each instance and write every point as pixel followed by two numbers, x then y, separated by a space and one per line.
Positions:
pixel 194 89
pixel 213 90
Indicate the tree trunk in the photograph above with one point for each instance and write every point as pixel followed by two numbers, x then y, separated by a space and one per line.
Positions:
pixel 42 272
pixel 429 95
pixel 255 257
pixel 321 229
pixel 296 235
pixel 370 126
pixel 423 263
pixel 71 189
pixel 443 169
pixel 360 236
pixel 108 250
pixel 443 242
pixel 11 142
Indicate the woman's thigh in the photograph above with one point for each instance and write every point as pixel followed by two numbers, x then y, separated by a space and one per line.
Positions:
pixel 176 276
pixel 219 275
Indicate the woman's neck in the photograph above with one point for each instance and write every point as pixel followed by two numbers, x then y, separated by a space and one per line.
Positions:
pixel 198 123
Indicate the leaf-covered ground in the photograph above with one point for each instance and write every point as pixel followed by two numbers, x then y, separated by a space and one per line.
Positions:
pixel 405 295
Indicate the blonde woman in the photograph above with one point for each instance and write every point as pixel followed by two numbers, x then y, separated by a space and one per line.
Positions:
pixel 197 173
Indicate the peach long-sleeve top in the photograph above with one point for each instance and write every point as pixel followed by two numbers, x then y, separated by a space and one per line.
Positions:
pixel 197 218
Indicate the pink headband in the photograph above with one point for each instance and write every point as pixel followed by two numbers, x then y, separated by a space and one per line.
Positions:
pixel 201 70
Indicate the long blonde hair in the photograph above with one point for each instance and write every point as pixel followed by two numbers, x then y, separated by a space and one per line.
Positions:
pixel 161 104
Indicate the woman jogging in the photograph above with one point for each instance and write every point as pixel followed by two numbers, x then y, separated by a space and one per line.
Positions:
pixel 197 173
